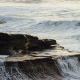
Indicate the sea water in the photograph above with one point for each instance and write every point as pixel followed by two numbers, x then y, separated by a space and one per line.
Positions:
pixel 69 68
pixel 54 19
pixel 59 20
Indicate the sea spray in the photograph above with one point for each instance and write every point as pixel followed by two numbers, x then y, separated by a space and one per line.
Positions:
pixel 15 71
pixel 12 72
pixel 69 68
pixel 43 69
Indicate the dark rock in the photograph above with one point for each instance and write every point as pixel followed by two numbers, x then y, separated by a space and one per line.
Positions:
pixel 4 37
pixel 23 42
pixel 4 40
pixel 36 68
pixel 49 41
pixel 17 38
pixel 7 52
pixel 43 43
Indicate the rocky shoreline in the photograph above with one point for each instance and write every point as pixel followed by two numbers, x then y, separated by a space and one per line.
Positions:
pixel 22 42
pixel 21 47
pixel 22 56
pixel 31 58
pixel 35 69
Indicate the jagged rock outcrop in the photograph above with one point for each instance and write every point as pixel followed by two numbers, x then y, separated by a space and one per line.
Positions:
pixel 23 42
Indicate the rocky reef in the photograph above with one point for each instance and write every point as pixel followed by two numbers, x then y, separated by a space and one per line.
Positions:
pixel 39 69
pixel 10 43
pixel 32 58
pixel 24 63
pixel 26 47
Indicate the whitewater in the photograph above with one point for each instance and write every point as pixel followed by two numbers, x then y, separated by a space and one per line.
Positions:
pixel 59 20
pixel 53 19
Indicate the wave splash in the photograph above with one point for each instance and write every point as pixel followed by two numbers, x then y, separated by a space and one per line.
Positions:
pixel 69 68
pixel 11 73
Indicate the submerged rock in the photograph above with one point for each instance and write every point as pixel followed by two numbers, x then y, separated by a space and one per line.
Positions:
pixel 19 42
pixel 2 21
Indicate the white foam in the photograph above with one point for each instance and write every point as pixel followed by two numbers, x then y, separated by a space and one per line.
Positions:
pixel 60 21
pixel 69 68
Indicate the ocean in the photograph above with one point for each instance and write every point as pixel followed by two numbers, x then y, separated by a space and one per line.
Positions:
pixel 46 19
pixel 59 20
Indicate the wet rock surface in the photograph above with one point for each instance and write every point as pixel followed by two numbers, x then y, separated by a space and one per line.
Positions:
pixel 31 58
pixel 23 47
pixel 36 69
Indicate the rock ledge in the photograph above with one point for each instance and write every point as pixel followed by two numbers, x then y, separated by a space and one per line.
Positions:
pixel 19 42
